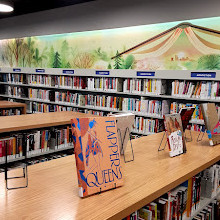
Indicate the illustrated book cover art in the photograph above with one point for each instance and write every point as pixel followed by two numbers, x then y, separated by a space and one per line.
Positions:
pixel 174 132
pixel 186 114
pixel 212 124
pixel 97 153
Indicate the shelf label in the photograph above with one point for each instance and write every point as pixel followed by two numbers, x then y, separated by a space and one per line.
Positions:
pixel 40 70
pixel 16 70
pixel 141 73
pixel 68 71
pixel 203 74
pixel 101 72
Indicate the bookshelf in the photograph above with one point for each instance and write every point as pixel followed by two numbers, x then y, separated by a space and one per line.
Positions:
pixel 48 87
pixel 143 182
pixel 10 125
pixel 6 105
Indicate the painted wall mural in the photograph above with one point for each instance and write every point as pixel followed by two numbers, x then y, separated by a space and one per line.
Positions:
pixel 186 45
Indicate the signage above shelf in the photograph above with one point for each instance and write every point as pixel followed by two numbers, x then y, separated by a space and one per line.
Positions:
pixel 121 73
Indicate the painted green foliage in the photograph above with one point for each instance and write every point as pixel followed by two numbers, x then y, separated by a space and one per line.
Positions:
pixel 57 61
pixel 209 62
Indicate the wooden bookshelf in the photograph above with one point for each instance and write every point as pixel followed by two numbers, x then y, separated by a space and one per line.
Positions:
pixel 33 121
pixel 13 105
pixel 53 190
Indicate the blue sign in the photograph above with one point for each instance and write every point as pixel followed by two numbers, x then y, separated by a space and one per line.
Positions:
pixel 140 73
pixel 101 72
pixel 40 70
pixel 68 71
pixel 16 70
pixel 203 74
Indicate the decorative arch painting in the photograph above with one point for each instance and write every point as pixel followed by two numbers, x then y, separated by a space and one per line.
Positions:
pixel 184 45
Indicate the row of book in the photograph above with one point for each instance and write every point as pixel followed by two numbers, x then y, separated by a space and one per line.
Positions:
pixel 144 106
pixel 75 82
pixel 9 112
pixel 147 126
pixel 175 107
pixel 41 94
pixel 210 212
pixel 185 200
pixel 144 86
pixel 15 91
pixel 196 127
pixel 12 78
pixel 105 83
pixel 45 80
pixel 37 143
pixel 201 90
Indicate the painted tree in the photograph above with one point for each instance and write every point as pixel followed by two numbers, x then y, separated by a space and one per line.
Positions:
pixel 101 55
pixel 83 61
pixel 7 55
pixel 51 56
pixel 129 62
pixel 31 50
pixel 209 62
pixel 118 61
pixel 38 58
pixel 57 61
pixel 109 66
pixel 67 65
pixel 13 50
pixel 64 53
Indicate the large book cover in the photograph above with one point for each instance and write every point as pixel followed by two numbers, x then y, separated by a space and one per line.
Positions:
pixel 174 131
pixel 212 123
pixel 186 114
pixel 97 154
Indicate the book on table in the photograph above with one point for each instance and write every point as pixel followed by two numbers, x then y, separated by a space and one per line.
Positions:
pixel 97 154
pixel 212 123
pixel 174 132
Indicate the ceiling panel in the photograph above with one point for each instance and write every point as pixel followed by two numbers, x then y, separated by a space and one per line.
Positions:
pixel 29 6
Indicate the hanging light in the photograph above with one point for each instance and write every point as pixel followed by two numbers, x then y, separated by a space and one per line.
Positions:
pixel 6 6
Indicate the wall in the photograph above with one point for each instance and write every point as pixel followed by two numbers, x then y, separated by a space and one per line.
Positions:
pixel 104 14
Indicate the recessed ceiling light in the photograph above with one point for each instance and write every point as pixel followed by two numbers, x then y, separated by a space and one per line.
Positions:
pixel 6 8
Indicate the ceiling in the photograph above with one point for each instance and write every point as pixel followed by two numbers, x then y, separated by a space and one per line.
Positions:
pixel 29 6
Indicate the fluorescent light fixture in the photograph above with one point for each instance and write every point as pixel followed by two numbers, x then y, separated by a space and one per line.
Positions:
pixel 4 7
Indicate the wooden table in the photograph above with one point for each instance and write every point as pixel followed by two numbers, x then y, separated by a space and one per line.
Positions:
pixel 10 105
pixel 53 191
pixel 32 121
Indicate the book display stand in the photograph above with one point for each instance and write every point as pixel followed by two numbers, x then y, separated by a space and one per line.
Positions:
pixel 200 137
pixel 159 149
pixel 127 132
pixel 25 170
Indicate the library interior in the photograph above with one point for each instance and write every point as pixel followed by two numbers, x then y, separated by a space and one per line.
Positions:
pixel 110 110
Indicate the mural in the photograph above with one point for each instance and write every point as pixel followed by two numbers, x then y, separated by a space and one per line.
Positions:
pixel 187 45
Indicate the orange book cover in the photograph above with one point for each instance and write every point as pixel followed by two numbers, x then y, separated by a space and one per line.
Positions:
pixel 97 153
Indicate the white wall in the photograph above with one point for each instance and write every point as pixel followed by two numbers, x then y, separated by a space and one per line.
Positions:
pixel 104 14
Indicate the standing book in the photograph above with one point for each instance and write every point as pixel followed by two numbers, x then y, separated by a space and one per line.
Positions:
pixel 212 123
pixel 174 131
pixel 97 154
